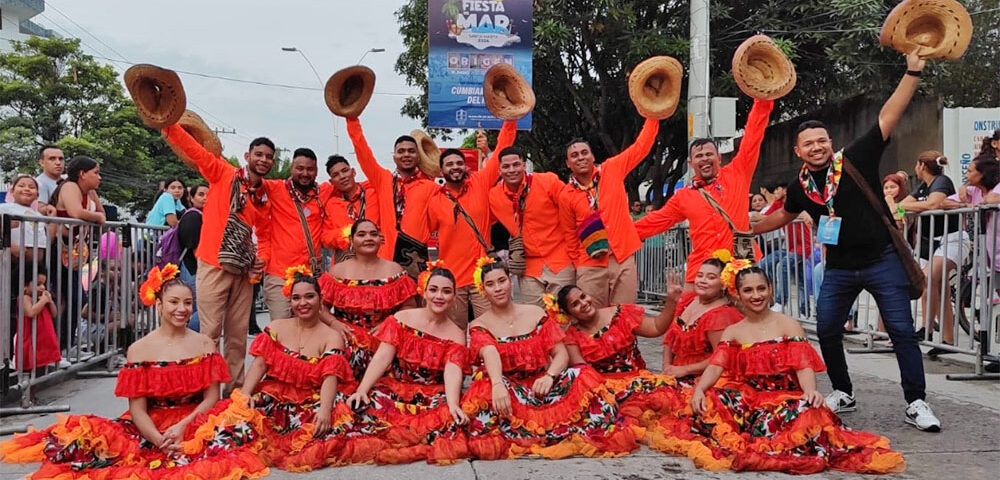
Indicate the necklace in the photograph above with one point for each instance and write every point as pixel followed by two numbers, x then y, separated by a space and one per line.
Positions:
pixel 298 324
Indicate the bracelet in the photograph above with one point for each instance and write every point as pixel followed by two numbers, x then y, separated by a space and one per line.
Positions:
pixel 553 377
pixel 914 73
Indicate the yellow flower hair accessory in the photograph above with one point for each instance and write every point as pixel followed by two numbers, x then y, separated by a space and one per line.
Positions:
pixel 291 273
pixel 477 275
pixel 154 282
pixel 343 241
pixel 425 276
pixel 729 273
pixel 722 255
pixel 552 308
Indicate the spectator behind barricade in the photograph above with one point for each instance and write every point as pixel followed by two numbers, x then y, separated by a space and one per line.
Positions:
pixel 895 190
pixel 757 202
pixel 649 208
pixel 636 211
pixel 983 187
pixel 75 197
pixel 941 234
pixel 188 235
pixel 52 161
pixel 791 260
pixel 102 311
pixel 169 205
pixel 991 146
pixel 41 348
pixel 28 239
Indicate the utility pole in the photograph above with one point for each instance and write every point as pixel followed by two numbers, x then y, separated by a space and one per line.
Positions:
pixel 698 77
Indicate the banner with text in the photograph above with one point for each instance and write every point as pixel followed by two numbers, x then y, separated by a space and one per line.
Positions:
pixel 965 128
pixel 467 37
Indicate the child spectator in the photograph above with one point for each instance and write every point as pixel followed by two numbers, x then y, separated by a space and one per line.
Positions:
pixel 36 327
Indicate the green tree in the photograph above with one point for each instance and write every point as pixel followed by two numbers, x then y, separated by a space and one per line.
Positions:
pixel 52 93
pixel 586 49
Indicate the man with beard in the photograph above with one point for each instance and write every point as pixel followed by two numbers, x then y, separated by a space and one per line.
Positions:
pixel 402 194
pixel 728 187
pixel 282 240
pixel 224 298
pixel 860 254
pixel 599 233
pixel 460 213
pixel 349 202
pixel 527 204
pixel 52 161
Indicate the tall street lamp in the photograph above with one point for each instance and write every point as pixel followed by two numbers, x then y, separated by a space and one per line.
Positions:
pixel 336 136
pixel 370 50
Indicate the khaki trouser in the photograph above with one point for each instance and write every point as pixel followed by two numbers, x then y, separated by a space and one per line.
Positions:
pixel 533 288
pixel 278 305
pixel 460 309
pixel 224 309
pixel 616 284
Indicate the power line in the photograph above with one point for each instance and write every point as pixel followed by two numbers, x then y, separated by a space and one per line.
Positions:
pixel 86 31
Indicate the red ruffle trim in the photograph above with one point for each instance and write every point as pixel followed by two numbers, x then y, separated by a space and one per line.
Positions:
pixel 619 336
pixel 525 355
pixel 388 296
pixel 418 348
pixel 300 372
pixel 766 358
pixel 170 379
pixel 692 346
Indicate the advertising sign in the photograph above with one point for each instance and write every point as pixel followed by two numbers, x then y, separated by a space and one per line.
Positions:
pixel 964 131
pixel 467 37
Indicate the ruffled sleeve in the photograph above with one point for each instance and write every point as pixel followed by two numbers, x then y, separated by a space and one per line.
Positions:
pixel 480 337
pixel 262 343
pixel 719 318
pixel 459 355
pixel 685 300
pixel 327 284
pixel 334 363
pixel 725 355
pixel 618 336
pixel 168 379
pixel 284 366
pixel 573 335
pixel 800 354
pixel 389 332
pixel 551 333
pixel 390 295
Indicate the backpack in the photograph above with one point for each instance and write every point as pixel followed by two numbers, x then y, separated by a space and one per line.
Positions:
pixel 168 247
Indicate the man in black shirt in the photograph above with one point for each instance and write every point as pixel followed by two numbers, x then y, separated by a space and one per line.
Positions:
pixel 860 253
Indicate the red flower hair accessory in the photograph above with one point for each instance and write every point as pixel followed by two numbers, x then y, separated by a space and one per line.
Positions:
pixel 291 273
pixel 425 276
pixel 154 282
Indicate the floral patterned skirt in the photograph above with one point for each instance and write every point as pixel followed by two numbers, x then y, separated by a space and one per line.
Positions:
pixel 418 423
pixel 578 416
pixel 643 397
pixel 220 444
pixel 746 428
pixel 361 345
pixel 289 430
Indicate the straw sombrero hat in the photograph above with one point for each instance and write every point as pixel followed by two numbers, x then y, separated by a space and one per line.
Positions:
pixel 508 95
pixel 197 128
pixel 761 70
pixel 348 91
pixel 941 28
pixel 655 86
pixel 428 153
pixel 158 94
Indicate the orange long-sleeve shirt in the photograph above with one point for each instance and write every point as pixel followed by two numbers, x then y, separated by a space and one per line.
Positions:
pixel 338 215
pixel 281 242
pixel 457 244
pixel 540 229
pixel 708 231
pixel 416 192
pixel 612 203
pixel 219 174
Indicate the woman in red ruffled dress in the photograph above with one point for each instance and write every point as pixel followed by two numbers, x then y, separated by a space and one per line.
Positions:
pixel 606 338
pixel 299 372
pixel 175 427
pixel 524 399
pixel 413 384
pixel 364 290
pixel 766 413
pixel 700 317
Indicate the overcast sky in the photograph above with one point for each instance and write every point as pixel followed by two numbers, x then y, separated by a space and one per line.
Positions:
pixel 243 39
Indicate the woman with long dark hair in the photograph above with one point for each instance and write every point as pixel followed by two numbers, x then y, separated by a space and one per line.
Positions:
pixel 170 204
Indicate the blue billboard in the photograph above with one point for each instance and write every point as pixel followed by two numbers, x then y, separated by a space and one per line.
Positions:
pixel 467 37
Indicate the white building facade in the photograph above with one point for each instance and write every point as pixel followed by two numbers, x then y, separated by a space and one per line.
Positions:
pixel 16 24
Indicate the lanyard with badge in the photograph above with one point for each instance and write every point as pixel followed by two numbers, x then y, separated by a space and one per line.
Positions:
pixel 828 230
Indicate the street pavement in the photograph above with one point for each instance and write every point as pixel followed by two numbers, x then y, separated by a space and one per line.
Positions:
pixel 968 447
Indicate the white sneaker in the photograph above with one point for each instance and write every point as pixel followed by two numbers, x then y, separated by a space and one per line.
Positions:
pixel 919 414
pixel 63 363
pixel 841 402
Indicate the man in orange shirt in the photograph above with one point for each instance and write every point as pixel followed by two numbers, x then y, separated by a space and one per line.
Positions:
pixel 460 213
pixel 224 298
pixel 350 202
pixel 598 229
pixel 729 186
pixel 527 204
pixel 281 240
pixel 402 195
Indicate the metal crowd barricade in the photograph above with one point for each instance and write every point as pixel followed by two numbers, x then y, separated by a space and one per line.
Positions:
pixel 92 274
pixel 969 291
